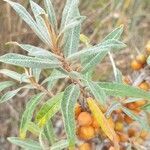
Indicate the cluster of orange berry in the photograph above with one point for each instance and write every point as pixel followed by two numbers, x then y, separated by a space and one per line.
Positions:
pixel 140 61
pixel 87 127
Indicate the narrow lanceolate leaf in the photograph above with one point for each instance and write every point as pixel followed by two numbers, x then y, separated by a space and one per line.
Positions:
pixel 49 132
pixel 100 48
pixel 35 51
pixel 98 92
pixel 49 109
pixel 122 90
pixel 34 128
pixel 69 100
pixel 25 144
pixel 142 121
pixel 5 84
pixel 27 114
pixel 36 74
pixel 14 75
pixel 28 19
pixel 51 13
pixel 103 122
pixel 10 94
pixel 60 145
pixel 55 76
pixel 91 61
pixel 72 36
pixel 69 11
pixel 37 11
pixel 115 34
pixel 26 61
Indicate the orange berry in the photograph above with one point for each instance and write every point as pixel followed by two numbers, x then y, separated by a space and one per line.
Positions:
pixel 136 110
pixel 118 126
pixel 97 130
pixel 144 86
pixel 111 148
pixel 135 65
pixel 127 119
pixel 132 132
pixel 131 105
pixel 86 132
pixel 144 134
pixel 140 103
pixel 85 146
pixel 95 123
pixel 84 119
pixel 141 59
pixel 78 110
pixel 123 137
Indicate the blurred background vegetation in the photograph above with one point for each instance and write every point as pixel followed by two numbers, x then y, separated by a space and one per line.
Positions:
pixel 102 17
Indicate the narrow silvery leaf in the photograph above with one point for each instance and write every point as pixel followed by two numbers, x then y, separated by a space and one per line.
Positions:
pixel 36 51
pixel 122 90
pixel 115 34
pixel 5 84
pixel 51 13
pixel 146 107
pixel 34 128
pixel 60 145
pixel 92 61
pixel 55 75
pixel 49 109
pixel 148 60
pixel 14 75
pixel 69 11
pixel 27 114
pixel 98 92
pixel 26 61
pixel 73 23
pixel 37 11
pixel 72 37
pixel 49 132
pixel 28 19
pixel 10 94
pixel 100 48
pixel 26 144
pixel 135 117
pixel 69 100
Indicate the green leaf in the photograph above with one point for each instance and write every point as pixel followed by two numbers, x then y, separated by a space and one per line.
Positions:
pixel 115 34
pixel 69 100
pixel 26 61
pixel 34 129
pixel 15 75
pixel 49 109
pixel 98 92
pixel 142 121
pixel 22 12
pixel 72 37
pixel 60 145
pixel 36 51
pixel 27 114
pixel 10 94
pixel 106 46
pixel 5 84
pixel 91 61
pixel 36 74
pixel 37 11
pixel 122 90
pixel 69 12
pixel 49 132
pixel 55 75
pixel 51 13
pixel 26 144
